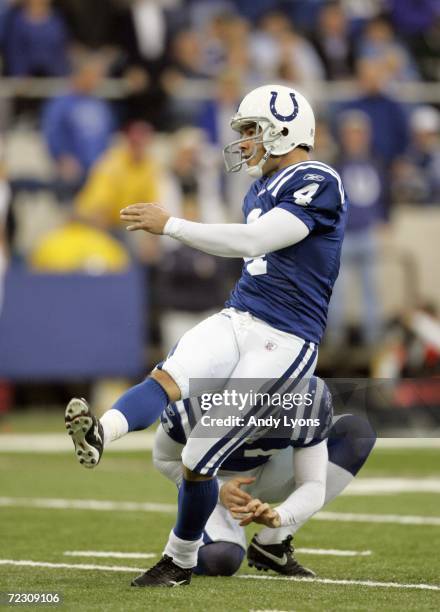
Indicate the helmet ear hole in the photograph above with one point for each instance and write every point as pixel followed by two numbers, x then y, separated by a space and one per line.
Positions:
pixel 284 131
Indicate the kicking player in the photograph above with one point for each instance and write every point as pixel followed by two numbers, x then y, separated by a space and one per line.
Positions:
pixel 293 470
pixel 295 215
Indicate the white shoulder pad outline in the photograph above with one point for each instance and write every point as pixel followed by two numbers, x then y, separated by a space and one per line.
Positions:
pixel 274 186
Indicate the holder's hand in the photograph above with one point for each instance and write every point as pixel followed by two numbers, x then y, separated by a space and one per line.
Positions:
pixel 256 511
pixel 231 493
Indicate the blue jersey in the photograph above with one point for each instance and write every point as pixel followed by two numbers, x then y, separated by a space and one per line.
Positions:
pixel 179 419
pixel 290 288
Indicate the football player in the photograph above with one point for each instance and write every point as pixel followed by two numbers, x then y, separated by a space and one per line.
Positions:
pixel 292 470
pixel 295 213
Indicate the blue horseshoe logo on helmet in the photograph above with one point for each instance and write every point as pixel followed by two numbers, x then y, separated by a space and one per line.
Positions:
pixel 276 114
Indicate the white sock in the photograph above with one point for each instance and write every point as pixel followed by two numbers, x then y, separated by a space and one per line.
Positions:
pixel 183 552
pixel 269 536
pixel 114 424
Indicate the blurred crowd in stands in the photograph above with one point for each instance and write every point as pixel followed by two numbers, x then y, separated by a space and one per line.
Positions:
pixel 181 67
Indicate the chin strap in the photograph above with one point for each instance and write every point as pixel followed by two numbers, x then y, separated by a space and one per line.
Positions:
pixel 257 171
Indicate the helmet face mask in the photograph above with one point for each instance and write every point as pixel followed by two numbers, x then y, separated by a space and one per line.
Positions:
pixel 284 120
pixel 265 134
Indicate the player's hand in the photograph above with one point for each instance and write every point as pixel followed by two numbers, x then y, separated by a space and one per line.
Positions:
pixel 231 493
pixel 256 511
pixel 151 218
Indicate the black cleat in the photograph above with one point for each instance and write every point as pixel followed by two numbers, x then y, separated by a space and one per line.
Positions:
pixel 86 432
pixel 276 557
pixel 164 574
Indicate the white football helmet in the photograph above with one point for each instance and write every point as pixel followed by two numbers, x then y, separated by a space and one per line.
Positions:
pixel 284 120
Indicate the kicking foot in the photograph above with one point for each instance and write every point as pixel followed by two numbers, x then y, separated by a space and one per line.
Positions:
pixel 86 431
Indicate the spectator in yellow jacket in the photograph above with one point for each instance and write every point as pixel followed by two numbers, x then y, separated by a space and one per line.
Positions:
pixel 125 174
pixel 77 247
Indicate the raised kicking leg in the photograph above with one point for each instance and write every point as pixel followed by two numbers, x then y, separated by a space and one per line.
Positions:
pixel 207 353
pixel 137 409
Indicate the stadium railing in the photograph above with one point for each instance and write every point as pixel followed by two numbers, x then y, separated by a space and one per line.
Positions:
pixel 196 89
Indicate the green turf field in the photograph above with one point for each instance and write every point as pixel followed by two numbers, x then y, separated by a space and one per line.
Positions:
pixel 400 554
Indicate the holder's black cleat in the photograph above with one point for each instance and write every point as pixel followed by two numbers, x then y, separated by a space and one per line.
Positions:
pixel 276 557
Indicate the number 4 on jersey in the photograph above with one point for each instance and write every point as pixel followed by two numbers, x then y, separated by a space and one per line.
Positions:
pixel 305 195
pixel 255 265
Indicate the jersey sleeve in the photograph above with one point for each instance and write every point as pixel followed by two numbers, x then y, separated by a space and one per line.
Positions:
pixel 315 196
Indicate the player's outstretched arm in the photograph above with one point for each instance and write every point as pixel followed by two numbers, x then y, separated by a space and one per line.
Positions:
pixel 275 230
pixel 310 469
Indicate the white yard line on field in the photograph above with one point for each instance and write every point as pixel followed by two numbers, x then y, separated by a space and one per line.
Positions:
pixel 124 506
pixel 397 519
pixel 117 568
pixel 333 552
pixel 143 440
pixel 105 554
pixel 61 443
pixel 390 486
pixel 408 443
pixel 141 555
pixel 78 566
pixel 84 504
pixel 367 583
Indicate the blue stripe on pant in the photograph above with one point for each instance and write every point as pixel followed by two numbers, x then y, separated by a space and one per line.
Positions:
pixel 201 466
pixel 265 414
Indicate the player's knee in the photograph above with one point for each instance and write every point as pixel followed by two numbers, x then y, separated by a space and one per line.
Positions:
pixel 170 469
pixel 188 457
pixel 351 441
pixel 194 476
pixel 167 383
pixel 192 468
pixel 219 559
